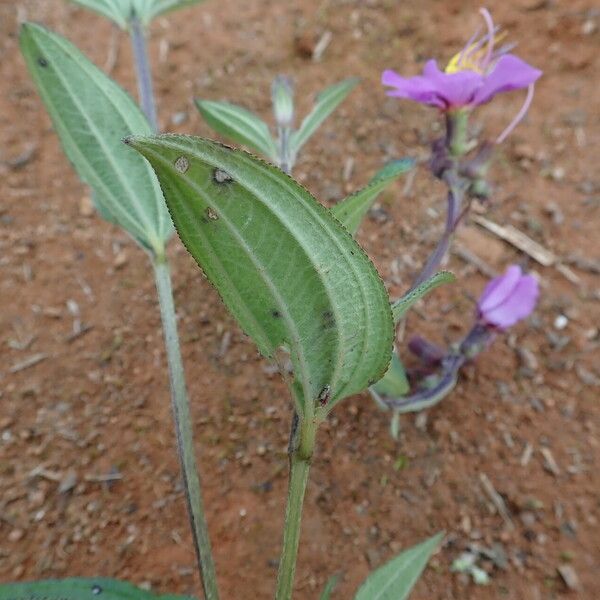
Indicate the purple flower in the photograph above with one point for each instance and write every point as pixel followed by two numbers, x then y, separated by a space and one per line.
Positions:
pixel 508 298
pixel 473 77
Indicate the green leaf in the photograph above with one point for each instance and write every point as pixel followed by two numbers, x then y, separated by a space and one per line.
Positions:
pixel 120 11
pixel 117 11
pixel 394 383
pixel 286 269
pixel 351 211
pixel 149 9
pixel 79 589
pixel 401 306
pixel 327 101
pixel 91 114
pixel 396 579
pixel 240 125
pixel 329 587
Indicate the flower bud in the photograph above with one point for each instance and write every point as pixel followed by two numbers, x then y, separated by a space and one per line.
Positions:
pixel 282 95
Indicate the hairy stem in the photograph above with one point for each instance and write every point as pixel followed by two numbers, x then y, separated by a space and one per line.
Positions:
pixel 144 74
pixel 301 450
pixel 286 160
pixel 183 427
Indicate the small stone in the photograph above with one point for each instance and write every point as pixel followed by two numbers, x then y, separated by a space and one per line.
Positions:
pixel 120 260
pixel 527 358
pixel 16 535
pixel 589 27
pixel 68 482
pixel 18 571
pixel 179 118
pixel 373 557
pixel 86 207
pixel 528 518
pixel 560 322
pixel 569 576
pixel 524 151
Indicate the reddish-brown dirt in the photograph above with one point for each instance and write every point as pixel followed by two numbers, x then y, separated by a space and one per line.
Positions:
pixel 98 405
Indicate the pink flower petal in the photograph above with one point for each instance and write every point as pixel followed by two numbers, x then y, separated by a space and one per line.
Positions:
pixel 518 305
pixel 499 288
pixel 510 73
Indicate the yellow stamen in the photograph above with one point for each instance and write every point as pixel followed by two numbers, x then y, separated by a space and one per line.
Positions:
pixel 470 59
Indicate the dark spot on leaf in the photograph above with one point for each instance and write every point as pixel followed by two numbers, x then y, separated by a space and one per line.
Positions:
pixel 96 590
pixel 328 320
pixel 182 164
pixel 211 214
pixel 42 62
pixel 221 177
pixel 352 252
pixel 324 395
pixel 276 314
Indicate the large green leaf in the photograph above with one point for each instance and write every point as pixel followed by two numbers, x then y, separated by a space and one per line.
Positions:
pixel 91 114
pixel 79 589
pixel 240 125
pixel 120 11
pixel 351 211
pixel 327 101
pixel 288 271
pixel 396 579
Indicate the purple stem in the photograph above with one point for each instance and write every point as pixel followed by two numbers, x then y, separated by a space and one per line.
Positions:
pixel 145 88
pixel 453 217
pixel 476 341
pixel 429 396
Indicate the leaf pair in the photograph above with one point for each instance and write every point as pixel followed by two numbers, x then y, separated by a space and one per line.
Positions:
pixel 244 127
pixel 92 114
pixel 121 11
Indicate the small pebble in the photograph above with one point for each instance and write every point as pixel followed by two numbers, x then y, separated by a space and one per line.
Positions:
pixel 560 322
pixel 569 576
pixel 120 260
pixel 16 535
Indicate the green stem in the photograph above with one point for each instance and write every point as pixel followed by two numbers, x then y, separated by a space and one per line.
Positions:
pixel 301 451
pixel 457 132
pixel 286 160
pixel 184 431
